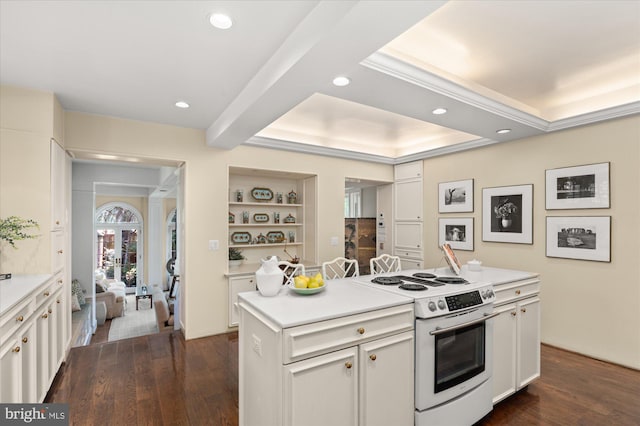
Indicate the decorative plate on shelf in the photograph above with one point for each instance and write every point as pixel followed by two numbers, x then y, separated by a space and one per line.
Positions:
pixel 260 217
pixel 262 194
pixel 307 291
pixel 275 237
pixel 241 237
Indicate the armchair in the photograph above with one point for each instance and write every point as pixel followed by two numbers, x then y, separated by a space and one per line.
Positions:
pixel 114 303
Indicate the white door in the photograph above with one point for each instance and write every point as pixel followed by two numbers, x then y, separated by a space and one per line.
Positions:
pixel 117 253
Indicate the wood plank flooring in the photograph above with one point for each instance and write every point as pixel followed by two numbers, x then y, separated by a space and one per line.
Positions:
pixel 161 379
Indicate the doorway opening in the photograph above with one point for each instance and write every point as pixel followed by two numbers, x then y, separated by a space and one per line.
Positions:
pixel 118 230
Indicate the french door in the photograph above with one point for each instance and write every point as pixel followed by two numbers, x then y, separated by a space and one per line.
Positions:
pixel 118 254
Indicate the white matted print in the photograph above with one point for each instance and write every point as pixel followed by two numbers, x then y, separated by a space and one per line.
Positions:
pixel 457 232
pixel 579 187
pixel 507 214
pixel 455 196
pixel 579 237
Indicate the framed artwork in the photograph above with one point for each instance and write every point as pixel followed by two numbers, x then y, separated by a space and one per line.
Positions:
pixel 452 260
pixel 455 196
pixel 579 237
pixel 457 232
pixel 507 214
pixel 579 187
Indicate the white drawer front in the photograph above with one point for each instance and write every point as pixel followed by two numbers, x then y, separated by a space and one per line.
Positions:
pixel 15 318
pixel 517 290
pixel 314 339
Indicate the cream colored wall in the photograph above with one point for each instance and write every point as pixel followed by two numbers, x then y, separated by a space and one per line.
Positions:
pixel 206 197
pixel 589 307
pixel 27 124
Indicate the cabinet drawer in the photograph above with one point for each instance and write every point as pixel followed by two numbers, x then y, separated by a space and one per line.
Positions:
pixel 314 339
pixel 13 319
pixel 408 254
pixel 517 290
pixel 410 264
pixel 45 293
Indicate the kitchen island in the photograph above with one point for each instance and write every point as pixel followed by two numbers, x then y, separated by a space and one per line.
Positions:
pixel 327 358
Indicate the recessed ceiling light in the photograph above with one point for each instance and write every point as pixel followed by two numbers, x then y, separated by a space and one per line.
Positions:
pixel 503 131
pixel 341 81
pixel 182 104
pixel 439 111
pixel 220 21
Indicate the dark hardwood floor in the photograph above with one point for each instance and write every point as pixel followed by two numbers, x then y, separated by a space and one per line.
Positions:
pixel 161 379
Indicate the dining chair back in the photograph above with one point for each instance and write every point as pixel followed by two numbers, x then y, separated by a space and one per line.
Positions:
pixel 340 267
pixel 384 263
pixel 290 270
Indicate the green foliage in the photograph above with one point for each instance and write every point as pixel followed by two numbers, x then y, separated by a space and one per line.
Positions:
pixel 235 254
pixel 14 229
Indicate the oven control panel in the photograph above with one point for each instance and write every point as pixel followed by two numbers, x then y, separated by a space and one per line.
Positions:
pixel 435 306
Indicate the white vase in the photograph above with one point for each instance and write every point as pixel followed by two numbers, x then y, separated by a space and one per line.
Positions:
pixel 506 223
pixel 269 277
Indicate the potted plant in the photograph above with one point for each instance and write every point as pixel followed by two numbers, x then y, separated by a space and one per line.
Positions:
pixel 235 257
pixel 14 229
pixel 504 211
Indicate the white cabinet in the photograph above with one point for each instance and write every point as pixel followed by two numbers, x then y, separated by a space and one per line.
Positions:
pixel 238 285
pixel 33 345
pixel 352 370
pixel 408 214
pixel 408 200
pixel 322 390
pixel 58 185
pixel 516 347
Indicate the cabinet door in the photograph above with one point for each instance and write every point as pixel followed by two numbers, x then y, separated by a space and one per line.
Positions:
pixel 29 366
pixel 528 341
pixel 408 235
pixel 322 390
pixel 408 200
pixel 504 352
pixel 238 285
pixel 408 170
pixel 10 370
pixel 43 324
pixel 387 364
pixel 57 251
pixel 58 193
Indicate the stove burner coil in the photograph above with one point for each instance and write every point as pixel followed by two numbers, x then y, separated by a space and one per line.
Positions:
pixel 451 280
pixel 387 280
pixel 424 275
pixel 413 287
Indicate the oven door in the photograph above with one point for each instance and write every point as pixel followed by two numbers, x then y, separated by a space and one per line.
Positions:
pixel 453 355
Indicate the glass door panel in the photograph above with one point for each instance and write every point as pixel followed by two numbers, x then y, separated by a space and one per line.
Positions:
pixel 117 254
pixel 129 256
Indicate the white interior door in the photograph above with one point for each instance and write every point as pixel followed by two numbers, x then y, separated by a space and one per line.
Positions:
pixel 118 255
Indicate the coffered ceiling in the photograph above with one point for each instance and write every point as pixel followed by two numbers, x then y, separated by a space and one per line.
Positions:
pixel 527 66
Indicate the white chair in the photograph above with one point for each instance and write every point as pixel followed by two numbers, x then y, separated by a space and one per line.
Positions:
pixel 384 263
pixel 340 267
pixel 291 270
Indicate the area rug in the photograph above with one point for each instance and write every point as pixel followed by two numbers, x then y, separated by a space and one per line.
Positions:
pixel 134 323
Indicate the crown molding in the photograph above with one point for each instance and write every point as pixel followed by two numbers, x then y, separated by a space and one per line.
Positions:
pixel 396 68
pixel 596 116
pixel 449 149
pixel 283 145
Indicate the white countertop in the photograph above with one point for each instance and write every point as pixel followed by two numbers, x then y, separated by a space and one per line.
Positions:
pixel 17 288
pixel 340 298
pixel 495 276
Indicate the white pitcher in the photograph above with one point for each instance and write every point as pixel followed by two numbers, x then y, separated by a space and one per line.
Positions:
pixel 269 277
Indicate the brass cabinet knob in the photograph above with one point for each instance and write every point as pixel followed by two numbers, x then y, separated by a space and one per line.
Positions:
pixel 20 318
pixel 59 281
pixel 57 222
pixel 49 310
pixel 46 293
pixel 45 316
pixel 372 357
pixel 60 252
pixel 523 310
pixel 517 291
pixel 25 339
pixel 348 364
pixel 513 314
pixel 16 349
pixel 58 301
pixel 361 330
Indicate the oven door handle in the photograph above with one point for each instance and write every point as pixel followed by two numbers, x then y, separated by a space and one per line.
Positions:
pixel 439 330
